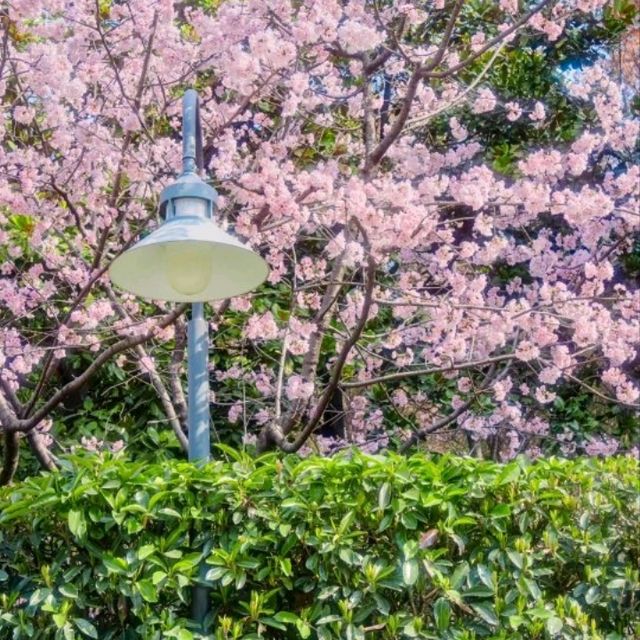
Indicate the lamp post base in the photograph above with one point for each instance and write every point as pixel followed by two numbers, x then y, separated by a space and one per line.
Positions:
pixel 200 601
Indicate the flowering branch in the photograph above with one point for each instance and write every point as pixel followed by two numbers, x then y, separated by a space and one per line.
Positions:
pixel 336 370
pixel 27 424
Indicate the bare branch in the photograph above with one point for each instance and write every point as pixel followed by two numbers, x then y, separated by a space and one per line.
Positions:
pixel 321 320
pixel 43 455
pixel 371 66
pixel 446 38
pixel 128 137
pixel 10 458
pixel 419 121
pixel 446 420
pixel 46 367
pixel 402 375
pixel 491 43
pixel 396 128
pixel 8 417
pixel 369 129
pixel 16 405
pixel 175 366
pixel 601 395
pixel 165 399
pixel 156 380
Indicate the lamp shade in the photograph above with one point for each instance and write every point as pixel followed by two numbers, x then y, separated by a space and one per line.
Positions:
pixel 188 259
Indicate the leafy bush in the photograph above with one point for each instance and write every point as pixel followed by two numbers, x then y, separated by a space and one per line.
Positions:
pixel 345 547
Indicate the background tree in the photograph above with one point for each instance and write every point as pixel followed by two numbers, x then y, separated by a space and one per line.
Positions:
pixel 446 193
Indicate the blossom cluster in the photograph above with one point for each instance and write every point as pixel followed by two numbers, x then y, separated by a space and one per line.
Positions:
pixel 90 135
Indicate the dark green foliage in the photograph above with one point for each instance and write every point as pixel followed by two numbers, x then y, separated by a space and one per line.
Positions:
pixel 532 69
pixel 631 259
pixel 345 547
pixel 575 411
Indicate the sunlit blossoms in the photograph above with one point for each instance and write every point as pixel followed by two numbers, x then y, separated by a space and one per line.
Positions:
pixel 409 261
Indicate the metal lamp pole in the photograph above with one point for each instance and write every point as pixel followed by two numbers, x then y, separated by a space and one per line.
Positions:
pixel 198 331
pixel 199 416
pixel 198 424
pixel 190 259
pixel 198 385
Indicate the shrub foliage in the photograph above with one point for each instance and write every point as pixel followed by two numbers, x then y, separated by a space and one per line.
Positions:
pixel 346 547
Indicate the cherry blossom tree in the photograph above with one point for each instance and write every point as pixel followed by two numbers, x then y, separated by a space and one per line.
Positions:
pixel 419 283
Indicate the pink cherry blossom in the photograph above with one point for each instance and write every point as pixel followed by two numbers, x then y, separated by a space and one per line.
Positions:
pixel 538 112
pixel 396 246
pixel 485 101
pixel 514 111
pixel 298 389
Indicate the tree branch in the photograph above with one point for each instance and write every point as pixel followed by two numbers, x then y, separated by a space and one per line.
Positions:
pixel 336 371
pixel 156 380
pixel 443 422
pixel 396 128
pixel 312 357
pixel 46 367
pixel 165 399
pixel 26 424
pixel 128 137
pixel 10 458
pixel 369 128
pixel 491 43
pixel 40 451
pixel 174 370
pixel 402 375
pixel 419 121
pixel 446 38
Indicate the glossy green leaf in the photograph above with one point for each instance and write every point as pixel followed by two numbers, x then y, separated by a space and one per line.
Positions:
pixel 148 590
pixel 77 523
pixel 86 627
pixel 442 614
pixel 487 613
pixel 384 496
pixel 410 571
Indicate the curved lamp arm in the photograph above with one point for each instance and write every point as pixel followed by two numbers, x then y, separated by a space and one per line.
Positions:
pixel 192 156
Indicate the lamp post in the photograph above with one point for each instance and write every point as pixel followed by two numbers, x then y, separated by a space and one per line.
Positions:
pixel 190 259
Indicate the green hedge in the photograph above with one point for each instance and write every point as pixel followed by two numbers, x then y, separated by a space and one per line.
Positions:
pixel 345 547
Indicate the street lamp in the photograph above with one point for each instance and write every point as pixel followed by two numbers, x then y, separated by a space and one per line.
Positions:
pixel 190 259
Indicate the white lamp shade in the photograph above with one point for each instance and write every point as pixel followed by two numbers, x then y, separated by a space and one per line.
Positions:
pixel 188 259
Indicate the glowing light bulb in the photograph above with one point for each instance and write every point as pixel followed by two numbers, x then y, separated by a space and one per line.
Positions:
pixel 189 266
